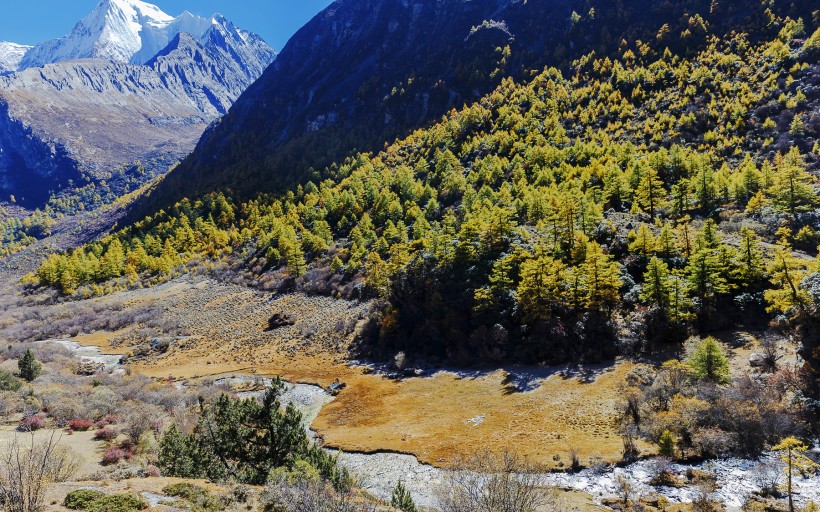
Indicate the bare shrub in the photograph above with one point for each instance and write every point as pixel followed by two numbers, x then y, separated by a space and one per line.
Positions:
pixel 769 476
pixel 574 458
pixel 140 418
pixel 625 488
pixel 661 472
pixel 306 492
pixel 487 482
pixel 705 497
pixel 27 468
pixel 771 357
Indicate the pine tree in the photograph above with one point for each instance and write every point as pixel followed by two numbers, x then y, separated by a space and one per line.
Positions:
pixel 704 182
pixel 650 195
pixel 29 366
pixel 655 290
pixel 402 499
pixel 539 291
pixel 709 362
pixel 665 243
pixel 792 450
pixel 601 277
pixel 643 243
pixel 787 273
pixel 680 198
pixel 112 264
pixel 706 279
pixel 666 444
pixel 680 305
pixel 750 258
pixel 793 188
pixel 377 275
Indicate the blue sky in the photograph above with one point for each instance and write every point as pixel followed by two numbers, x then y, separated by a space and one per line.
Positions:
pixel 34 21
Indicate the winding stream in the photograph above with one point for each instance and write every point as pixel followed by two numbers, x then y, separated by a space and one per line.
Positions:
pixel 379 472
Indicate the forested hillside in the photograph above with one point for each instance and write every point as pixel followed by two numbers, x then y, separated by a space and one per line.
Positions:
pixel 363 72
pixel 568 217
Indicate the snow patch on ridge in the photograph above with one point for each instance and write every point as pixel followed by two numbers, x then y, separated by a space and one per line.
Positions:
pixel 10 56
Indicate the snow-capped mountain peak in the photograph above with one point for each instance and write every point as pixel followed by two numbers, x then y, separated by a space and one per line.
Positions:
pixel 120 31
pixel 10 56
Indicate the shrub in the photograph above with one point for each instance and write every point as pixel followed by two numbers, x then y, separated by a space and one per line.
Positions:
pixel 80 425
pixel 105 434
pixel 81 499
pixel 9 382
pixel 197 496
pixel 33 422
pixel 117 503
pixel 113 455
pixel 27 469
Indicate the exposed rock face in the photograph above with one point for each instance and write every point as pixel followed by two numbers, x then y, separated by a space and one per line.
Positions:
pixel 90 117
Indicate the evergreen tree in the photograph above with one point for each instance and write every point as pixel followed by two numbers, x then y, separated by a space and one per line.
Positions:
pixel 709 362
pixel 791 453
pixel 401 499
pixel 666 444
pixel 539 291
pixel 655 290
pixel 8 382
pixel 650 195
pixel 29 366
pixel 643 242
pixel 704 181
pixel 706 280
pixel 243 440
pixel 787 272
pixel 665 243
pixel 751 266
pixel 793 188
pixel 601 278
pixel 112 264
pixel 680 305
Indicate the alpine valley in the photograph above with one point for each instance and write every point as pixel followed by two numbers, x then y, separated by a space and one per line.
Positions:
pixel 435 255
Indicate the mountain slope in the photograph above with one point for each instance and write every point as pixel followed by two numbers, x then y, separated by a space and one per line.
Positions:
pixel 362 72
pixel 561 219
pixel 80 121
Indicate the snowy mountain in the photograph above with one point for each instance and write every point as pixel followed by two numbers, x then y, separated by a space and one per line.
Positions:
pixel 129 83
pixel 10 56
pixel 127 31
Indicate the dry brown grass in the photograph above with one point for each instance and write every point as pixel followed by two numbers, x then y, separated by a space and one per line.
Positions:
pixel 428 417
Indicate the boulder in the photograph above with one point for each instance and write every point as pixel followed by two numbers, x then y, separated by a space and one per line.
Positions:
pixel 757 360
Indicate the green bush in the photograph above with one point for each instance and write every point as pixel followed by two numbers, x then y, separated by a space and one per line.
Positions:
pixel 198 497
pixel 9 382
pixel 97 501
pixel 81 499
pixel 117 503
